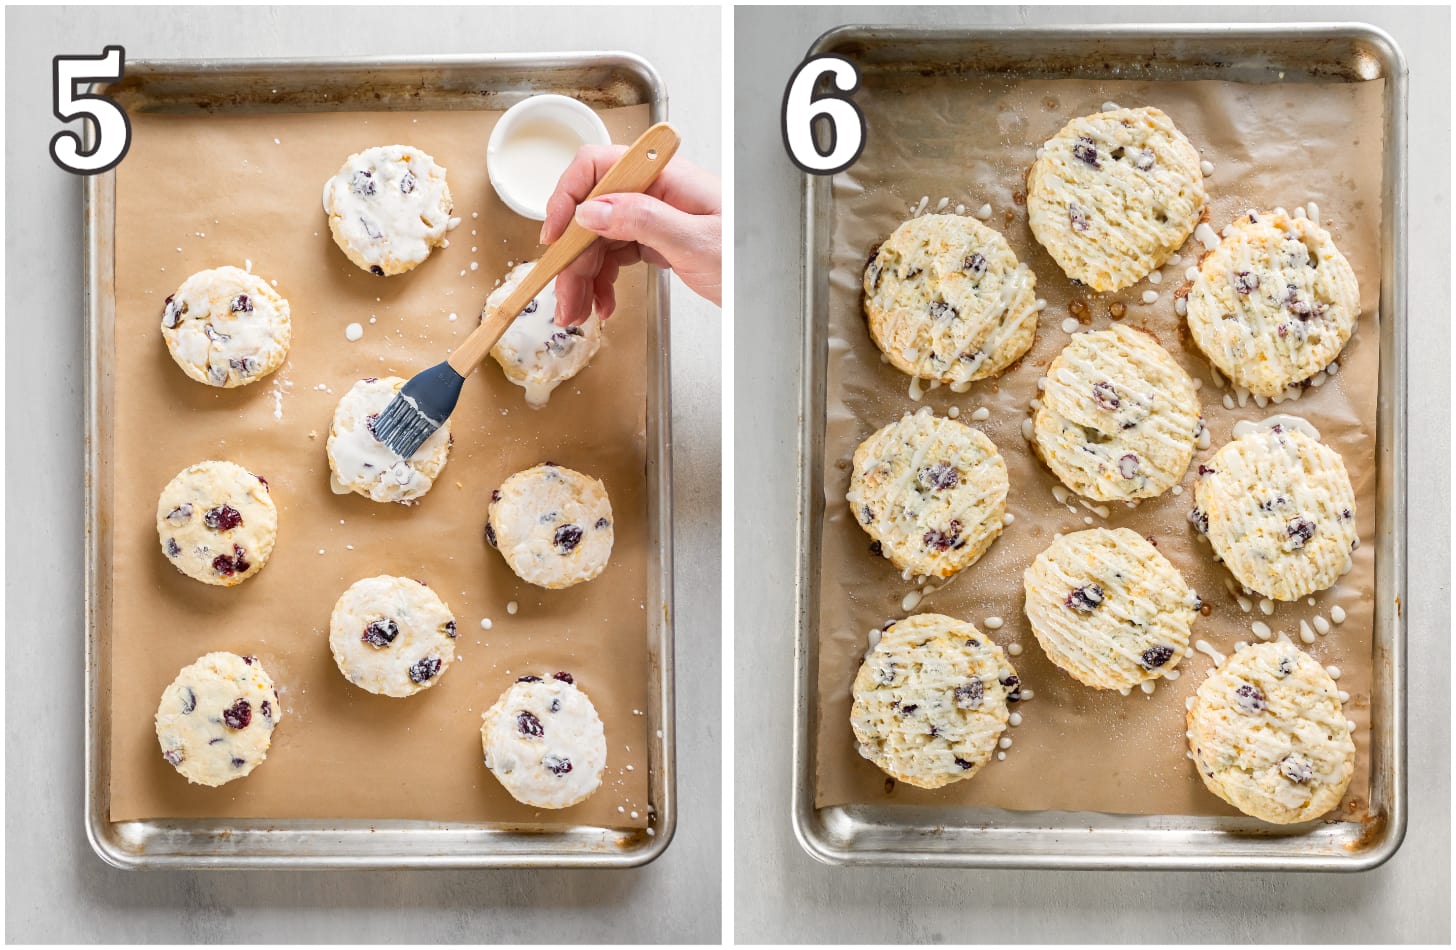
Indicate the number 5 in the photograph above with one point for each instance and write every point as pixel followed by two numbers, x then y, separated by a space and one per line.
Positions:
pixel 113 129
pixel 802 110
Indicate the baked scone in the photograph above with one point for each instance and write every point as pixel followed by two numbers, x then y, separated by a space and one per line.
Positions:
pixel 360 463
pixel 534 352
pixel 1279 510
pixel 1113 195
pixel 227 327
pixel 1108 609
pixel 947 300
pixel 216 721
pixel 932 492
pixel 544 742
pixel 217 523
pixel 930 700
pixel 553 526
pixel 1118 418
pixel 388 208
pixel 1269 736
pixel 1274 303
pixel 391 635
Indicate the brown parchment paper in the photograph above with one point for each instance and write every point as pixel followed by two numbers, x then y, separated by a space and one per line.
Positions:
pixel 972 140
pixel 202 191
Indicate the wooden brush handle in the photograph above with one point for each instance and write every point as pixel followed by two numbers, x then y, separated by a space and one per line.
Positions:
pixel 635 171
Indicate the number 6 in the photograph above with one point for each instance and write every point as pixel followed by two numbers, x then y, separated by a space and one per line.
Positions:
pixel 802 109
pixel 113 129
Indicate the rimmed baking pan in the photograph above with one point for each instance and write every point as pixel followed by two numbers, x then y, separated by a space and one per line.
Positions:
pixel 289 87
pixel 876 832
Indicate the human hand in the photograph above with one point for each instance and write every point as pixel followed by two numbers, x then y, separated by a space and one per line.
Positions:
pixel 677 223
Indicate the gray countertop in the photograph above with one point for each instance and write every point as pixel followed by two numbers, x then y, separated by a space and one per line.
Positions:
pixel 782 895
pixel 56 888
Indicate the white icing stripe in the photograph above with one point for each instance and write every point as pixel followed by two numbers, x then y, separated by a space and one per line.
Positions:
pixel 1206 648
pixel 1296 423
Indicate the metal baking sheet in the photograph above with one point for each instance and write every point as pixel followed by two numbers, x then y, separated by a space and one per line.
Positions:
pixel 991 837
pixel 415 83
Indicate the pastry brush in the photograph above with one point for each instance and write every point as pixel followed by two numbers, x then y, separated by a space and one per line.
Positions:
pixel 426 401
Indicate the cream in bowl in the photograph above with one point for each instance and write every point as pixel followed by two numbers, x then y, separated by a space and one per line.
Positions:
pixel 533 143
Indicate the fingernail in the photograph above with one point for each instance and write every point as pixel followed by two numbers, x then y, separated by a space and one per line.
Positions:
pixel 594 215
pixel 542 238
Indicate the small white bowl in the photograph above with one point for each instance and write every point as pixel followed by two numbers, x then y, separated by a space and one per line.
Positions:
pixel 531 146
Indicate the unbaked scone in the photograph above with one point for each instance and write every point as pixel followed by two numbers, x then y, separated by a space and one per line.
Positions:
pixel 552 525
pixel 217 523
pixel 930 700
pixel 534 352
pixel 1113 195
pixel 1108 609
pixel 391 635
pixel 216 721
pixel 1118 419
pixel 388 208
pixel 1269 736
pixel 1279 510
pixel 931 493
pixel 227 327
pixel 360 463
pixel 1274 303
pixel 947 300
pixel 544 742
